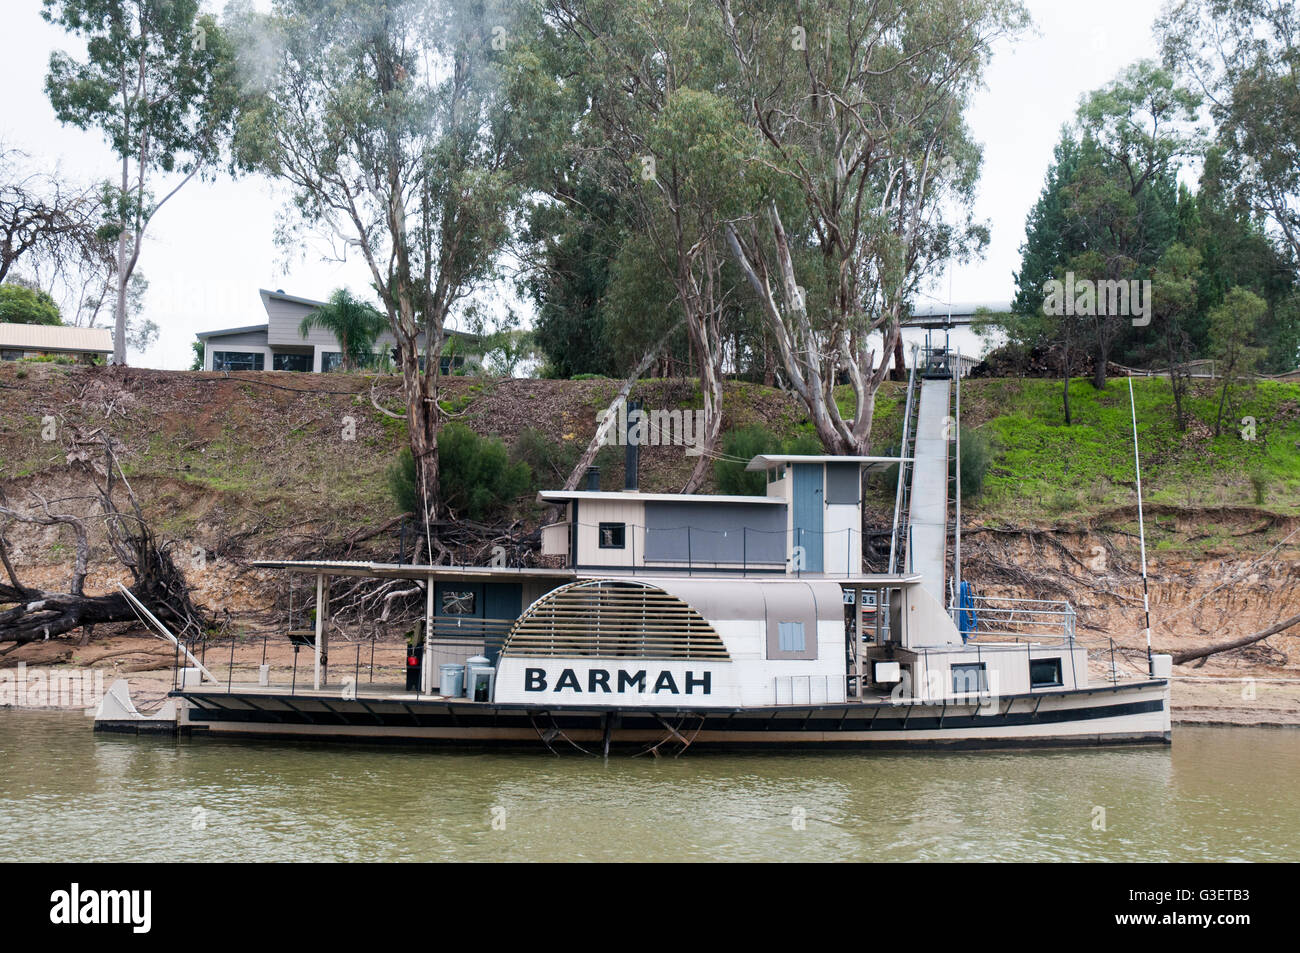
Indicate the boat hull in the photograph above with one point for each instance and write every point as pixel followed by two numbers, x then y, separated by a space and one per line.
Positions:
pixel 1122 714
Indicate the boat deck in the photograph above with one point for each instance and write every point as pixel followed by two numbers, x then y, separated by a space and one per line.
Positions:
pixel 397 692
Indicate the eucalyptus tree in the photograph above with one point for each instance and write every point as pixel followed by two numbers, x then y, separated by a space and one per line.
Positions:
pixel 386 120
pixel 1244 55
pixel 1174 289
pixel 1122 199
pixel 155 81
pixel 639 82
pixel 859 112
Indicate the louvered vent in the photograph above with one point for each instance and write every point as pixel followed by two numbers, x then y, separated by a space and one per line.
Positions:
pixel 613 619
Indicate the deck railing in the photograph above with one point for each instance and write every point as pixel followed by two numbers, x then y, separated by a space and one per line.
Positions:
pixel 1000 618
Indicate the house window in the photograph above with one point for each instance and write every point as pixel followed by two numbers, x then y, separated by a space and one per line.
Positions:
pixel 969 677
pixel 1044 672
pixel 11 355
pixel 447 364
pixel 613 535
pixel 790 636
pixel 291 362
pixel 457 603
pixel 238 361
pixel 330 360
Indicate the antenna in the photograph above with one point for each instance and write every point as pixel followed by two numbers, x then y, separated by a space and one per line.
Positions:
pixel 1142 533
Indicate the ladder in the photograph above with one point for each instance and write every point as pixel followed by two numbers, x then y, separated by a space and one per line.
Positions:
pixel 907 451
pixel 953 536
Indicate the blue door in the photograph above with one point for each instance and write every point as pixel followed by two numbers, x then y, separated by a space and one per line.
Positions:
pixel 808 511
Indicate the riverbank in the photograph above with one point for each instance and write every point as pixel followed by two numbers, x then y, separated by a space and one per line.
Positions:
pixel 1255 698
pixel 235 468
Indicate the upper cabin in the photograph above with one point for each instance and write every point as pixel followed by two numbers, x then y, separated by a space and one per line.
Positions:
pixel 810 522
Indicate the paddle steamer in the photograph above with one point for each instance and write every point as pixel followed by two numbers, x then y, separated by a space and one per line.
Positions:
pixel 708 621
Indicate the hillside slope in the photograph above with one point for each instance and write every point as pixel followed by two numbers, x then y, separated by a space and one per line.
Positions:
pixel 251 465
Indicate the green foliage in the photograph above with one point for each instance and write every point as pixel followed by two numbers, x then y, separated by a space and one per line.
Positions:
pixel 1233 326
pixel 1088 467
pixel 20 304
pixel 1245 54
pixel 402 483
pixel 977 453
pixel 199 356
pixel 354 324
pixel 549 462
pixel 477 479
pixel 745 443
pixel 157 80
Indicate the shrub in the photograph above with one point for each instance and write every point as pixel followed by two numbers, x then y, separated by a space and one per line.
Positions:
pixel 549 462
pixel 1259 483
pixel 745 443
pixel 476 478
pixel 977 453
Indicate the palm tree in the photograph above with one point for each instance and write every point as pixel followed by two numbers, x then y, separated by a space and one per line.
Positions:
pixel 355 324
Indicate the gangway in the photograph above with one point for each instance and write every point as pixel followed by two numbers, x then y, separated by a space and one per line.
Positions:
pixel 926 507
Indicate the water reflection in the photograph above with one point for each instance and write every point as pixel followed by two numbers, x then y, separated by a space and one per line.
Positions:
pixel 1219 794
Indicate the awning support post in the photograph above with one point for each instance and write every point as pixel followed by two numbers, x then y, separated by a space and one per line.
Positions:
pixel 322 637
pixel 426 668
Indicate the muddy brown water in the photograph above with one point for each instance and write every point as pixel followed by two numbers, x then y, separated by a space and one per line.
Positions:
pixel 1218 794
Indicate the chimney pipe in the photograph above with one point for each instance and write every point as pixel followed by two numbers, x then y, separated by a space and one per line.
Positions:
pixel 593 478
pixel 632 452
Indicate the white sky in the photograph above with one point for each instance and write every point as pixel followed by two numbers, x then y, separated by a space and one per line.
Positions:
pixel 212 246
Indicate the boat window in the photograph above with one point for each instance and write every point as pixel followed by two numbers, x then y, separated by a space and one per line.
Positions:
pixel 1044 672
pixel 969 677
pixel 613 535
pixel 790 636
pixel 457 603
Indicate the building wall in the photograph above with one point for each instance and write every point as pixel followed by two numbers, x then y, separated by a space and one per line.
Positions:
pixel 284 317
pixel 591 513
pixel 247 341
pixel 1006 669
pixel 731 534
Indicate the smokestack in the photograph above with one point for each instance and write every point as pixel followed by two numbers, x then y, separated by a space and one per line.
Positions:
pixel 632 452
pixel 593 478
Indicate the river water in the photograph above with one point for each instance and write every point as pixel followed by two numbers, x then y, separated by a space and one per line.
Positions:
pixel 67 794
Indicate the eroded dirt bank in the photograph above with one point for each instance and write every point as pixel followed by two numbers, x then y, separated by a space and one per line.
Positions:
pixel 231 469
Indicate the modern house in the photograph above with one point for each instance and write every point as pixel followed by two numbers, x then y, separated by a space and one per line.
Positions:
pixel 278 344
pixel 18 341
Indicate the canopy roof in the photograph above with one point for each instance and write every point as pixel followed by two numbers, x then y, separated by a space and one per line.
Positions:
pixel 765 460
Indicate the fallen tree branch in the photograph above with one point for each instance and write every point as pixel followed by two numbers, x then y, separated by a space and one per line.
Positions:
pixel 1182 658
pixel 611 413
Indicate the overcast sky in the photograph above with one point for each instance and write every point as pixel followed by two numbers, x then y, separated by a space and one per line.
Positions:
pixel 212 246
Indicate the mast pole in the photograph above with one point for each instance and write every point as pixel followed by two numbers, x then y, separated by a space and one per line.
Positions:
pixel 1142 534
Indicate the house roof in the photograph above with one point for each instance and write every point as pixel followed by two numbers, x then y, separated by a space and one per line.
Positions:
pixel 56 337
pixel 268 295
pixel 244 330
pixel 280 295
